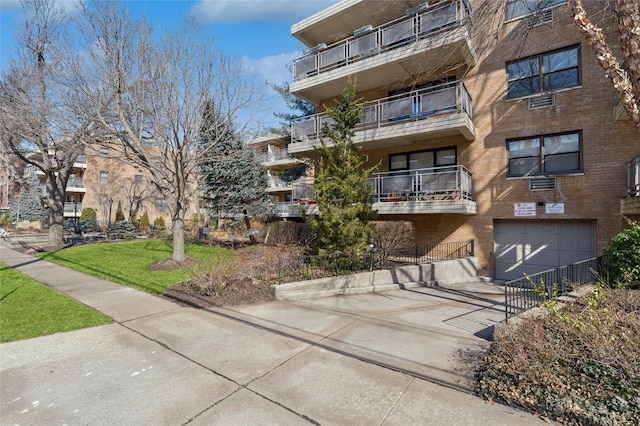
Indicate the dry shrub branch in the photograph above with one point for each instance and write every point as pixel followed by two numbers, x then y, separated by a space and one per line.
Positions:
pixel 579 365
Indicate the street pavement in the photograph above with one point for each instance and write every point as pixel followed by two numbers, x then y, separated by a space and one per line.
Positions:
pixel 402 357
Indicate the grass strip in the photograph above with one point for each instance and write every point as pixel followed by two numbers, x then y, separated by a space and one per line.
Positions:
pixel 31 309
pixel 127 263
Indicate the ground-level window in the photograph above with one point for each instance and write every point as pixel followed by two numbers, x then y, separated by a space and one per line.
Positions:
pixel 423 159
pixel 104 177
pixel 519 8
pixel 545 155
pixel 547 72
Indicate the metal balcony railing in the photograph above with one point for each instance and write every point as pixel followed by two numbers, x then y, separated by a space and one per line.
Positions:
pixel 75 183
pixel 265 157
pixel 443 16
pixel 428 184
pixel 81 160
pixel 72 207
pixel 633 178
pixel 412 106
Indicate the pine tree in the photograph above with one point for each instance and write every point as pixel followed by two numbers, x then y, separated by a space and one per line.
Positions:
pixel 119 213
pixel 342 193
pixel 233 182
pixel 27 206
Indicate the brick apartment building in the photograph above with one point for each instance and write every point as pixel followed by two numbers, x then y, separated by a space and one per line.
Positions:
pixel 491 121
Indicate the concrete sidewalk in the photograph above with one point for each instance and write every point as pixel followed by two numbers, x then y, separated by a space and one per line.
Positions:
pixel 392 358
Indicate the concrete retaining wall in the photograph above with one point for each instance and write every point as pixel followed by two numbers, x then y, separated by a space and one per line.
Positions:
pixel 426 274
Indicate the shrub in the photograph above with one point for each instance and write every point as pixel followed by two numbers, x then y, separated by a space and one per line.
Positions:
pixel 119 213
pixel 158 223
pixel 622 264
pixel 578 366
pixel 393 235
pixel 144 221
pixel 88 213
pixel 124 229
pixel 286 233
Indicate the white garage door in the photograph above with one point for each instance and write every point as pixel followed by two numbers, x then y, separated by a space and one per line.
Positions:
pixel 530 246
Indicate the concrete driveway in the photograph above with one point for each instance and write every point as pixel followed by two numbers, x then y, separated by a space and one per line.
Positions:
pixel 393 358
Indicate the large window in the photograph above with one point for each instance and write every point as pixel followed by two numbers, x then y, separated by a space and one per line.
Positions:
pixel 543 73
pixel 423 159
pixel 545 155
pixel 519 8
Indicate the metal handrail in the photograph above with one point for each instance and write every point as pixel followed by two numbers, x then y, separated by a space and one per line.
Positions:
pixel 428 184
pixel 416 105
pixel 399 32
pixel 633 178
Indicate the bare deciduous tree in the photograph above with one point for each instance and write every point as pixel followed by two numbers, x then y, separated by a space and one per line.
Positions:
pixel 624 73
pixel 150 93
pixel 36 122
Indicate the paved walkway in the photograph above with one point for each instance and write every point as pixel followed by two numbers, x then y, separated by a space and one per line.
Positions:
pixel 392 358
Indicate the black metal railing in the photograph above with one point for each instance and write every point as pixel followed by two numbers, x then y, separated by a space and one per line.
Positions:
pixel 309 267
pixel 530 291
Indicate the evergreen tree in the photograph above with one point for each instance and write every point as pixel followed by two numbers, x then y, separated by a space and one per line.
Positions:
pixel 342 192
pixel 233 182
pixel 28 206
pixel 119 213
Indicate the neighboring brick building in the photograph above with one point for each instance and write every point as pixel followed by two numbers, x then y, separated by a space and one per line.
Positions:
pixel 491 121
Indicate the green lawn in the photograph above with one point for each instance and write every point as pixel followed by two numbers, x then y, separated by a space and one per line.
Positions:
pixel 30 309
pixel 127 263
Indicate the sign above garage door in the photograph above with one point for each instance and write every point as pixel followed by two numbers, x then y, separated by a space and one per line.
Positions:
pixel 531 246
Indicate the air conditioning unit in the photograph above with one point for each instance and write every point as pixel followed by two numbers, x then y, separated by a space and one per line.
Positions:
pixel 544 100
pixel 542 183
pixel 539 18
pixel 316 49
pixel 362 31
pixel 417 9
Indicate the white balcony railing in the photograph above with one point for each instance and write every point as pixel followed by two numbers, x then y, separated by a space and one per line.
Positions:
pixel 72 207
pixel 441 17
pixel 75 183
pixel 633 178
pixel 429 184
pixel 281 154
pixel 416 105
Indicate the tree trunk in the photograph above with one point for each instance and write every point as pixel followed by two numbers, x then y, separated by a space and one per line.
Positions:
pixel 56 231
pixel 178 238
pixel 247 223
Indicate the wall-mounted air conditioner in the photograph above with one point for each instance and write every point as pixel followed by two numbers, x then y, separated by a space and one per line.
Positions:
pixel 362 31
pixel 418 8
pixel 316 49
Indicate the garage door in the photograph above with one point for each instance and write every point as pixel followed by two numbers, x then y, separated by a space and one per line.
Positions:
pixel 530 246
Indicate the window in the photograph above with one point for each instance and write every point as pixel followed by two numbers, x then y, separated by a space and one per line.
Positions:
pixel 104 177
pixel 520 8
pixel 103 151
pixel 423 159
pixel 545 155
pixel 543 73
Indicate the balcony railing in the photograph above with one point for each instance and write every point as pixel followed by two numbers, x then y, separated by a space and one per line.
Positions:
pixel 81 160
pixel 286 208
pixel 73 207
pixel 278 155
pixel 633 178
pixel 75 183
pixel 401 32
pixel 429 184
pixel 412 106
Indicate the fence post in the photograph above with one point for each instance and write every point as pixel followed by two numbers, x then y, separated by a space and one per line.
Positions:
pixel 279 271
pixel 473 247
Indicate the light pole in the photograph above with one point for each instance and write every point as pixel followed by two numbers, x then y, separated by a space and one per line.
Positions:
pixel 75 216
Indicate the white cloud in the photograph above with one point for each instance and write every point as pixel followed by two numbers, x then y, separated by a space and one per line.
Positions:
pixel 215 11
pixel 274 69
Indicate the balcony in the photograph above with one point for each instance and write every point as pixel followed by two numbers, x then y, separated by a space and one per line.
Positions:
pixel 436 111
pixel 422 191
pixel 418 44
pixel 631 204
pixel 286 209
pixel 72 209
pixel 80 162
pixel 75 185
pixel 277 159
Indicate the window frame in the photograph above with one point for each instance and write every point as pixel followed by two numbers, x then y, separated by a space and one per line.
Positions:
pixel 543 157
pixel 407 156
pixel 530 10
pixel 105 174
pixel 542 73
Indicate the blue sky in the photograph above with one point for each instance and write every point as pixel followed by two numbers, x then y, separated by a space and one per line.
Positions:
pixel 256 31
